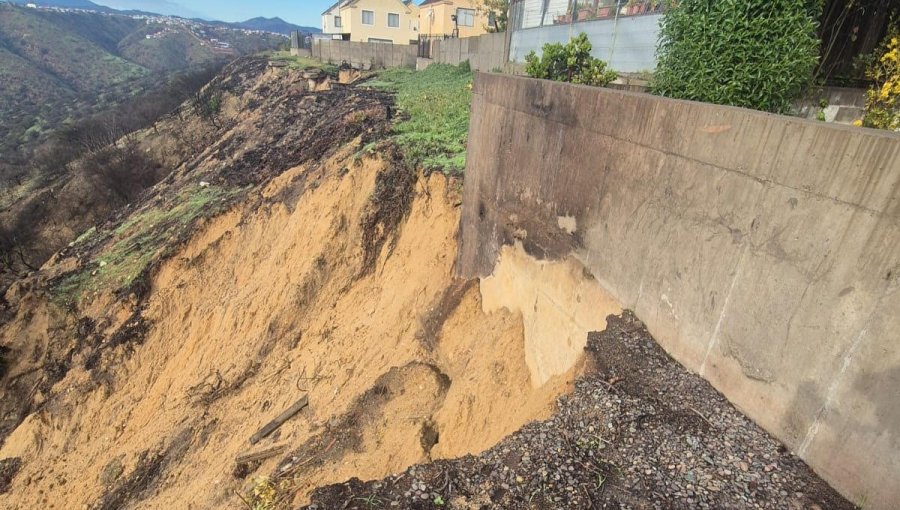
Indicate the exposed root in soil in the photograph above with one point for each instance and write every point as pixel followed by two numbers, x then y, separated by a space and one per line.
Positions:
pixel 131 333
pixel 431 323
pixel 150 468
pixel 387 208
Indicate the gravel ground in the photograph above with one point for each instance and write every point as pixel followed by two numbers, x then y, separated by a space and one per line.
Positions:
pixel 639 432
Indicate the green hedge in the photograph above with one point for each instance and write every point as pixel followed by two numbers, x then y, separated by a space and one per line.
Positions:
pixel 753 53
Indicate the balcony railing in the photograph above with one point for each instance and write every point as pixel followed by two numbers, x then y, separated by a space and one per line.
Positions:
pixel 538 13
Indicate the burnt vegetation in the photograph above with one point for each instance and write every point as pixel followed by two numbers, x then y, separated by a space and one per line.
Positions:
pixel 99 150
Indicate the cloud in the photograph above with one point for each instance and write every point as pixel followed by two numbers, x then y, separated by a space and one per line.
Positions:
pixel 157 6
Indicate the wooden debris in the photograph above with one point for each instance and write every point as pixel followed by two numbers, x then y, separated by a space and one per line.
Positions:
pixel 262 454
pixel 279 421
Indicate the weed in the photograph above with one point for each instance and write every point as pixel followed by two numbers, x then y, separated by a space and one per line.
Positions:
pixel 883 99
pixel 263 495
pixel 435 102
pixel 439 501
pixel 371 501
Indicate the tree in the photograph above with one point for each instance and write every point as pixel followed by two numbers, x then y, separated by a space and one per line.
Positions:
pixel 497 11
pixel 572 63
pixel 752 53
pixel 207 105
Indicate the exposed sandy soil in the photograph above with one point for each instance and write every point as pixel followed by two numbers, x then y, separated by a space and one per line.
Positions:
pixel 264 304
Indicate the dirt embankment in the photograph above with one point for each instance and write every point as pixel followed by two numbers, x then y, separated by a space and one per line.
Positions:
pixel 279 262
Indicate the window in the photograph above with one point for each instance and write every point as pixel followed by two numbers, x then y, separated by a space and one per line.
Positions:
pixel 465 17
pixel 337 22
pixel 368 18
pixel 393 20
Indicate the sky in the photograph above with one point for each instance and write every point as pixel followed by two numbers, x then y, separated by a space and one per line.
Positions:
pixel 300 12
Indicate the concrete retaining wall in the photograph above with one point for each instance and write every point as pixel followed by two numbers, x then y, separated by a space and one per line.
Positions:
pixel 627 44
pixel 485 53
pixel 365 55
pixel 762 251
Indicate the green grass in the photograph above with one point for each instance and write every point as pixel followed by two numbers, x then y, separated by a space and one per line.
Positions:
pixel 138 241
pixel 436 102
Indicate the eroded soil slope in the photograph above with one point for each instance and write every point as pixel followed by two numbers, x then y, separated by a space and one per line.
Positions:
pixel 276 261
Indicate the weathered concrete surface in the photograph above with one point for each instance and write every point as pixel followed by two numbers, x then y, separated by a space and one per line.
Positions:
pixel 485 52
pixel 761 251
pixel 364 55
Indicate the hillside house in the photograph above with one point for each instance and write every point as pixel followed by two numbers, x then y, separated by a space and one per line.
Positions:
pixel 436 19
pixel 382 21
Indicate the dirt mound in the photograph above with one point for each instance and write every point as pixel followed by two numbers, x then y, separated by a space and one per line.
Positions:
pixel 638 432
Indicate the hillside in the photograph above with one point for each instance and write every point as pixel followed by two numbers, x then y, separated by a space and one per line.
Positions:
pixel 56 67
pixel 74 48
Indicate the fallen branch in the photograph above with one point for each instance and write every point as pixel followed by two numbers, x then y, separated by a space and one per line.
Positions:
pixel 279 421
pixel 698 413
pixel 265 453
pixel 246 503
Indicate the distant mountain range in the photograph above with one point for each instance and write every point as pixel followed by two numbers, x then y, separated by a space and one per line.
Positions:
pixel 275 25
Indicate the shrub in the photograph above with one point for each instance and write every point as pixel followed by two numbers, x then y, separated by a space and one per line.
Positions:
pixel 752 53
pixel 883 100
pixel 572 63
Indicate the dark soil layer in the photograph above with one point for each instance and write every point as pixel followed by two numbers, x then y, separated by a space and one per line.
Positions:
pixel 8 470
pixel 638 432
